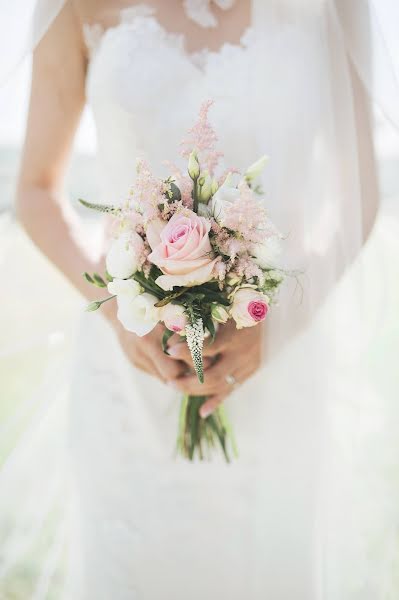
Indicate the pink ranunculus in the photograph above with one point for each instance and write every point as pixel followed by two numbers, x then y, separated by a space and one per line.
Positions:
pixel 183 252
pixel 249 307
pixel 174 317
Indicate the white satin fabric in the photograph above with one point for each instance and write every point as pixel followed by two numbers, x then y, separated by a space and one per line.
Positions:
pixel 273 524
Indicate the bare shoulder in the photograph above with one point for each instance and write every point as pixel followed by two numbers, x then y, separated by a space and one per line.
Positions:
pixel 102 12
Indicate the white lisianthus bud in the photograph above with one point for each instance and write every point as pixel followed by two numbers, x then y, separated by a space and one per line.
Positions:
pixel 214 186
pixel 193 165
pixel 223 200
pixel 122 257
pixel 138 315
pixel 206 187
pixel 174 317
pixel 255 169
pixel 266 253
pixel 219 313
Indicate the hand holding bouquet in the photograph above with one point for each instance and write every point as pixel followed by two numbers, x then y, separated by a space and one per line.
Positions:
pixel 192 251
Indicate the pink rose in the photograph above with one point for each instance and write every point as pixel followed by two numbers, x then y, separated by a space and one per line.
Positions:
pixel 182 250
pixel 174 317
pixel 249 307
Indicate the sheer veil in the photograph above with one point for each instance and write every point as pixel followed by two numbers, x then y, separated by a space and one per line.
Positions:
pixel 23 24
pixel 33 472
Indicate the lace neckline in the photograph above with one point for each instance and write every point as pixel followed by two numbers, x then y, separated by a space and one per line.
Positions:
pixel 142 14
pixel 200 11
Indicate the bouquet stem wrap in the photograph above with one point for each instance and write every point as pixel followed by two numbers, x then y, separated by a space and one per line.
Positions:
pixel 198 436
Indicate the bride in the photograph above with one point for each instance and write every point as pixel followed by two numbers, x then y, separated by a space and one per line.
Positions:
pixel 148 525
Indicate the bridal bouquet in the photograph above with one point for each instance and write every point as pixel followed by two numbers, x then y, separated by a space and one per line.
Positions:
pixel 192 251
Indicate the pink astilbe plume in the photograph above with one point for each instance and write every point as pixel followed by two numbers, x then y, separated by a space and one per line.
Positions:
pixel 148 192
pixel 183 182
pixel 246 268
pixel 248 218
pixel 185 185
pixel 202 138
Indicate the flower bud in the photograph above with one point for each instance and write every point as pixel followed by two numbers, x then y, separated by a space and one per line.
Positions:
pixel 175 318
pixel 206 188
pixel 219 313
pixel 255 169
pixel 214 186
pixel 193 165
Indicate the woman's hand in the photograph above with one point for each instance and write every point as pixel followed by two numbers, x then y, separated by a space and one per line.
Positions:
pixel 236 355
pixel 145 352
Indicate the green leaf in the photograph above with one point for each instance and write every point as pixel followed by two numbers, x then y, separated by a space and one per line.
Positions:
pixel 210 326
pixel 99 281
pixel 108 277
pixel 88 278
pixel 166 336
pixel 104 208
pixel 175 193
pixel 93 306
pixel 96 304
pixel 169 298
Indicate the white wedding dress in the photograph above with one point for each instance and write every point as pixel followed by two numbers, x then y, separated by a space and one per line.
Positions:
pixel 277 523
pixel 153 526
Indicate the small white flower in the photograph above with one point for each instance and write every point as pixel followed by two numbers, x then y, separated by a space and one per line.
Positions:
pixel 195 336
pixel 223 200
pixel 266 253
pixel 128 288
pixel 122 259
pixel 138 315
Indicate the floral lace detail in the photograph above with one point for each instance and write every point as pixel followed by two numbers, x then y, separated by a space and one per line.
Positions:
pixel 200 12
pixel 143 18
pixel 93 33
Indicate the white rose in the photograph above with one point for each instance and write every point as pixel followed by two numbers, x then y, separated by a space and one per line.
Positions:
pixel 122 257
pixel 266 253
pixel 223 200
pixel 138 315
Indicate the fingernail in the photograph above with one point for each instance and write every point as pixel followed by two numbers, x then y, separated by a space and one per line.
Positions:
pixel 173 351
pixel 205 411
pixel 172 384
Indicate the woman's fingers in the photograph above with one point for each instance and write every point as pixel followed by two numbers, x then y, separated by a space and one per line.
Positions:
pixel 180 350
pixel 215 381
pixel 167 368
pixel 211 405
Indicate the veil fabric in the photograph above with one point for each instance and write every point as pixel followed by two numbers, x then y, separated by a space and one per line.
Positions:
pixel 23 24
pixel 33 476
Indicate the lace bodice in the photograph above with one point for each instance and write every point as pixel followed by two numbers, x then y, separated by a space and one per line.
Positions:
pixel 145 89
